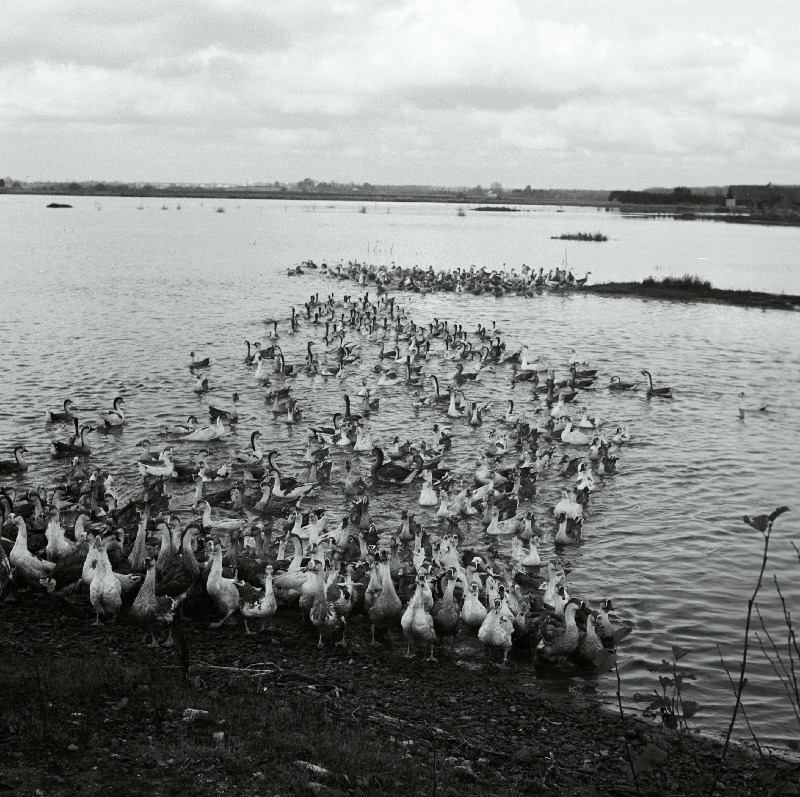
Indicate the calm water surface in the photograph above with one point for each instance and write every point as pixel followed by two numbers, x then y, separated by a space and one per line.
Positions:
pixel 109 298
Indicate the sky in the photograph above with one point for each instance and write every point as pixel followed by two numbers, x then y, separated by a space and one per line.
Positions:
pixel 560 94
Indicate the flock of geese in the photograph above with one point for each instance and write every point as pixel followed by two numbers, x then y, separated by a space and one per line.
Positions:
pixel 459 552
pixel 477 281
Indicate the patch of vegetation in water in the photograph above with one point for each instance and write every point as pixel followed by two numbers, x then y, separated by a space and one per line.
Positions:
pixel 498 209
pixel 688 282
pixel 58 205
pixel 580 236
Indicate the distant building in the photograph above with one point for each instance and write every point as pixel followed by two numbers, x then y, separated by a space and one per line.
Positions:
pixel 764 197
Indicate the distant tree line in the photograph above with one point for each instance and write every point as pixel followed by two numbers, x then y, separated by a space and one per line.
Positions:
pixel 678 196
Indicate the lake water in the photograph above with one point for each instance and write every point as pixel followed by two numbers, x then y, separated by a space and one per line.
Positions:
pixel 109 298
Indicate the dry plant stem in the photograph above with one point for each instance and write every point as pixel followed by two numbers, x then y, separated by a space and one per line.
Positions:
pixel 744 713
pixel 787 677
pixel 624 735
pixel 742 675
pixel 791 644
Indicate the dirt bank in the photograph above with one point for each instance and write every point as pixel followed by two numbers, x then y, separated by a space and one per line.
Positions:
pixel 85 708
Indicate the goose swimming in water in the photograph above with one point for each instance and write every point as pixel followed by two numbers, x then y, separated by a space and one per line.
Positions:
pixel 67 415
pixel 200 385
pixel 389 472
pixel 115 416
pixel 617 384
pixel 195 363
pixel 76 446
pixel 665 392
pixel 230 415
pixel 16 465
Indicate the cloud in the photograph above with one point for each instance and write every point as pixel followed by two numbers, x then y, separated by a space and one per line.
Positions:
pixel 482 90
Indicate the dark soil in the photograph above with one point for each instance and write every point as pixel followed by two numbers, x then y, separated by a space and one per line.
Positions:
pixel 86 708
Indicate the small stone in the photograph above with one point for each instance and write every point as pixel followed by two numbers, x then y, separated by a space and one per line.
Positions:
pixel 523 756
pixel 73 748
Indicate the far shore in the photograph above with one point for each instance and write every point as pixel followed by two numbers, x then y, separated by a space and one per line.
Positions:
pixel 476 200
pixel 758 299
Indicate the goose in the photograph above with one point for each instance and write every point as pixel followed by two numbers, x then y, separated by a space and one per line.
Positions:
pixel 560 639
pixel 386 608
pixel 496 630
pixel 399 450
pixel 67 414
pixel 574 437
pixel 461 377
pixel 209 432
pixel 617 384
pixel 510 417
pixel 476 413
pixel 473 612
pixel 77 446
pixel 621 435
pixel 559 411
pixel 437 397
pixel 152 611
pixel 230 415
pixel 252 455
pixel 610 634
pixel 589 423
pixel 105 591
pixel 16 465
pixel 529 365
pixel 566 535
pixel 221 590
pixel 531 558
pixel 389 472
pixel 497 527
pixel 27 566
pixel 327 434
pixel 665 392
pixel 427 496
pixel 182 428
pixel 250 357
pixel 326 611
pixel 445 611
pixel 453 410
pixel 115 416
pixel 58 546
pixel 571 508
pixel 204 363
pixel 417 620
pixel 363 440
pixel 162 467
pixel 201 385
pixel 287 487
pixel 390 379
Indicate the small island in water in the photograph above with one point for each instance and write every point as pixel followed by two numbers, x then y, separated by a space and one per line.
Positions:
pixel 580 236
pixel 692 288
pixel 58 205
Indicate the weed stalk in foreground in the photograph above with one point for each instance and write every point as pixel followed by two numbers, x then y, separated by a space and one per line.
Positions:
pixel 762 524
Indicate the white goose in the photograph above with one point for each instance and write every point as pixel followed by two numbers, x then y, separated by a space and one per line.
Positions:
pixel 209 432
pixel 574 437
pixel 427 496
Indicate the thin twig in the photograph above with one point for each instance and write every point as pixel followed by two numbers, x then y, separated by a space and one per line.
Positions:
pixel 742 674
pixel 744 713
pixel 625 735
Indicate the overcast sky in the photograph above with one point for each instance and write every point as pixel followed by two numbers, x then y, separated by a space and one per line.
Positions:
pixel 447 92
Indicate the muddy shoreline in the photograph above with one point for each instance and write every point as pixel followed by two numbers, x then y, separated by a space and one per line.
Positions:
pixel 463 722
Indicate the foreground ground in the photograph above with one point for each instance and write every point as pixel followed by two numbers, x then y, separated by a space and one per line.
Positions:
pixel 85 709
